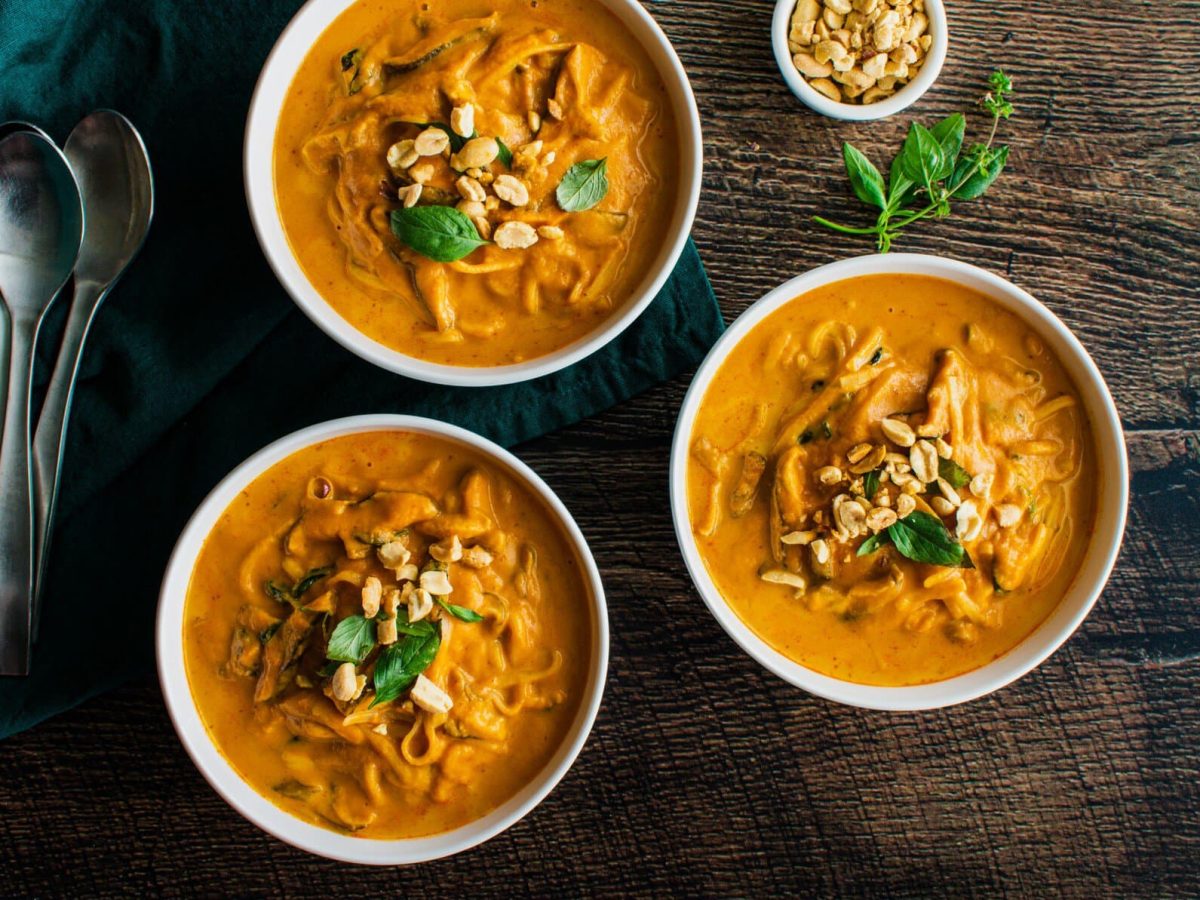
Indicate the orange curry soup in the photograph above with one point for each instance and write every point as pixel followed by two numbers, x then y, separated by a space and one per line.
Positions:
pixel 553 83
pixel 892 480
pixel 387 634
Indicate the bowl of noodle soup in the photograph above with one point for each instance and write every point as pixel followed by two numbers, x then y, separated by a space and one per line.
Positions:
pixel 382 639
pixel 899 482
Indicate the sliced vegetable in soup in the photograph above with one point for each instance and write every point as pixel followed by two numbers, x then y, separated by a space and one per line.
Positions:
pixel 892 480
pixel 387 634
pixel 473 183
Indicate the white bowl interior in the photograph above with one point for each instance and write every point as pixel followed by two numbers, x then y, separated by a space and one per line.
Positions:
pixel 273 84
pixel 901 100
pixel 222 776
pixel 1110 510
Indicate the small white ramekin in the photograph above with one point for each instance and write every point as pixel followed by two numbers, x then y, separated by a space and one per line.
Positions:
pixel 1110 510
pixel 273 84
pixel 261 811
pixel 854 112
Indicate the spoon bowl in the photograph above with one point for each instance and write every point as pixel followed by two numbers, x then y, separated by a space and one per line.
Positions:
pixel 41 226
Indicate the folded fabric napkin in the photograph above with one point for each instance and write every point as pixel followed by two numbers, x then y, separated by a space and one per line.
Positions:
pixel 198 359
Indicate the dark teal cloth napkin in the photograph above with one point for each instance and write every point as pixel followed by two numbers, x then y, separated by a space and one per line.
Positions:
pixel 199 358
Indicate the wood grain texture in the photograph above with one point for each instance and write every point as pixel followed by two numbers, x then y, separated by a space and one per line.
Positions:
pixel 705 775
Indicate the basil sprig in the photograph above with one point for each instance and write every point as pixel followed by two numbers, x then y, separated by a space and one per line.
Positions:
pixel 441 233
pixel 583 186
pixel 922 538
pixel 352 640
pixel 399 665
pixel 930 171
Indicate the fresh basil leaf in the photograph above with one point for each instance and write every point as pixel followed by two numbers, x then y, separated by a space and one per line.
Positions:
pixel 991 164
pixel 505 155
pixel 583 186
pixel 923 538
pixel 921 158
pixel 350 59
pixel 871 484
pixel 900 189
pixel 399 665
pixel 352 640
pixel 864 177
pixel 459 612
pixel 441 233
pixel 953 473
pixel 949 133
pixel 873 543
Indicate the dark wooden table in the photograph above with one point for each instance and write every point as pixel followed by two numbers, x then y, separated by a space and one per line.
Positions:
pixel 705 774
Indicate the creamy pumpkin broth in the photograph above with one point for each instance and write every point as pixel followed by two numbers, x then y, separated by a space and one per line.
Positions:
pixel 387 634
pixel 476 183
pixel 892 480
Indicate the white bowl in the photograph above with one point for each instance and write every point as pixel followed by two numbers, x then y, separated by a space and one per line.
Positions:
pixel 221 775
pixel 273 84
pixel 1110 510
pixel 902 99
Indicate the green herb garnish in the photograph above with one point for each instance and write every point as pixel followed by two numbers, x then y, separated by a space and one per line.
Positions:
pixel 351 67
pixel 953 473
pixel 441 233
pixel 352 640
pixel 922 538
pixel 871 484
pixel 291 595
pixel 459 612
pixel 505 155
pixel 931 171
pixel 400 664
pixel 584 185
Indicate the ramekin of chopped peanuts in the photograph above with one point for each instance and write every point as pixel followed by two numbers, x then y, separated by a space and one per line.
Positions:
pixel 859 59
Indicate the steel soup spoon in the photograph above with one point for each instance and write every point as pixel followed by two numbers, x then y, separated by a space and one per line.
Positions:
pixel 41 225
pixel 13 126
pixel 117 186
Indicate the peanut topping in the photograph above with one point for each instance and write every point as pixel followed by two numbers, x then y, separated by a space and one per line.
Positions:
pixel 431 142
pixel 515 236
pixel 401 155
pixel 462 120
pixel 859 51
pixel 511 190
pixel 924 461
pixel 899 433
pixel 410 194
pixel 470 189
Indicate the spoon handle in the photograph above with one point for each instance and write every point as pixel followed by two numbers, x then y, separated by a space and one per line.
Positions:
pixel 50 438
pixel 16 508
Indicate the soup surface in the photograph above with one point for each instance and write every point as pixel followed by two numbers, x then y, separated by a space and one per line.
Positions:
pixel 892 481
pixel 380 118
pixel 387 634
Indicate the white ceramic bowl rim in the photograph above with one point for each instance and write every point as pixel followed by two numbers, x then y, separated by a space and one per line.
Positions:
pixel 281 65
pixel 1110 510
pixel 901 100
pixel 218 771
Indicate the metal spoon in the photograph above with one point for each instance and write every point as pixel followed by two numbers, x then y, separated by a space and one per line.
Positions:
pixel 13 126
pixel 41 225
pixel 117 186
